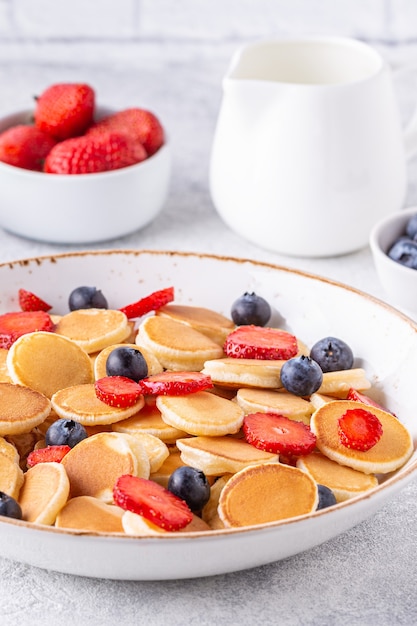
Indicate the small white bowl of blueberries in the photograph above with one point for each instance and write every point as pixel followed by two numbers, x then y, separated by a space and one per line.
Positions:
pixel 393 243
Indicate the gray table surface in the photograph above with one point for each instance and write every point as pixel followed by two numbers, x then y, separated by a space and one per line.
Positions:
pixel 365 576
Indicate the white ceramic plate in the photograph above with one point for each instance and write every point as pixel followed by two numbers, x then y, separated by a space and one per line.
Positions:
pixel 384 342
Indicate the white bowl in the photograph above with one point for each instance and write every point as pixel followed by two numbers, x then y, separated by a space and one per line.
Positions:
pixel 80 209
pixel 399 281
pixel 382 339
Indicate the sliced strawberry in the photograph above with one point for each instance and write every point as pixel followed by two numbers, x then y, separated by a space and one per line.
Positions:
pixel 152 501
pixel 257 342
pixel 153 302
pixel 117 391
pixel 14 325
pixel 278 434
pixel 29 301
pixel 359 429
pixel 354 394
pixel 175 383
pixel 50 454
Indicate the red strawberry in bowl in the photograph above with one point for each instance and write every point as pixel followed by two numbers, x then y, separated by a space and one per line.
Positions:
pixel 139 124
pixel 92 154
pixel 65 110
pixel 25 146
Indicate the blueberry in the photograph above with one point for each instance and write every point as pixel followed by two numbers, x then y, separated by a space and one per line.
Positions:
pixel 332 354
pixel 404 251
pixel 86 298
pixel 301 375
pixel 326 497
pixel 250 309
pixel 65 432
pixel 129 362
pixel 411 227
pixel 9 507
pixel 190 484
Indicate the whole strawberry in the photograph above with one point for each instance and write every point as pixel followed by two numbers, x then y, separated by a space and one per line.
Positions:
pixel 65 110
pixel 25 146
pixel 91 154
pixel 138 124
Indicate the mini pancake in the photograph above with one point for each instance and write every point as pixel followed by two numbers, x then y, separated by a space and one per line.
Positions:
pixel 24 444
pixel 269 401
pixel 156 450
pixel 177 346
pixel 94 465
pixel 48 362
pixel 149 420
pixel 201 413
pixel 45 491
pixel 94 329
pixel 9 449
pixel 80 403
pixel 139 526
pixel 318 399
pixel 86 513
pixel 388 454
pixel 344 481
pixel 11 475
pixel 209 513
pixel 266 493
pixel 171 463
pixel 4 372
pixel 21 409
pixel 210 323
pixel 221 455
pixel 337 384
pixel 236 373
pixel 154 366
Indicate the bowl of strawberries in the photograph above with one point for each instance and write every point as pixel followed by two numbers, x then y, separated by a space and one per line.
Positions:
pixel 74 172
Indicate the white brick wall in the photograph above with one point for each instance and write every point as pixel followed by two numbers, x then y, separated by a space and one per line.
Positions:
pixel 98 20
pixel 54 30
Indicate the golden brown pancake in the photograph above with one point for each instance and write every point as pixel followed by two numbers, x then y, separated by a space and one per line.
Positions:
pixel 210 323
pixel 86 513
pixel 139 526
pixel 45 491
pixel 80 403
pixel 266 493
pixel 149 420
pixel 201 413
pixel 337 384
pixel 154 366
pixel 156 450
pixel 11 475
pixel 94 465
pixel 209 512
pixel 94 329
pixel 270 401
pixel 48 362
pixel 221 455
pixel 344 481
pixel 21 409
pixel 4 372
pixel 171 463
pixel 391 452
pixel 177 346
pixel 236 373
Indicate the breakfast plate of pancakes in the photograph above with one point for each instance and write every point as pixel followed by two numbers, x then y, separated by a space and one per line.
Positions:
pixel 384 343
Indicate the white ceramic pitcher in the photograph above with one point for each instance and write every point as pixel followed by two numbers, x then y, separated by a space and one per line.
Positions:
pixel 309 151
